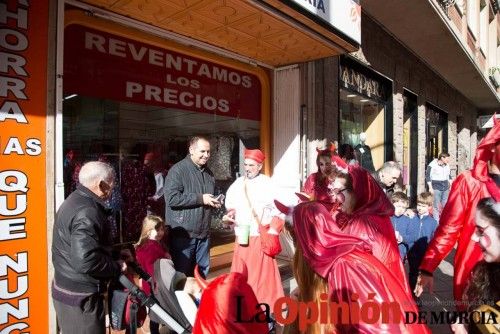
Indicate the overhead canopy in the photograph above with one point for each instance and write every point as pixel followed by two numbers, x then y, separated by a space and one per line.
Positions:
pixel 270 31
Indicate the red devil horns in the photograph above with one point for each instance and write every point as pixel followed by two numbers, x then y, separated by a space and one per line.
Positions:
pixel 303 197
pixel 331 149
pixel 201 281
pixel 282 207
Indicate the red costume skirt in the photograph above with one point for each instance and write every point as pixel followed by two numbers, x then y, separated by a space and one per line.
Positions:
pixel 261 269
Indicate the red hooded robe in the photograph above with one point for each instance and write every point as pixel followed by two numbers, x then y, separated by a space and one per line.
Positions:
pixel 346 263
pixel 456 222
pixel 371 222
pixel 218 311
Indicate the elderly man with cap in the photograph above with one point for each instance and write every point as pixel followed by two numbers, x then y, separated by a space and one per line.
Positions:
pixel 249 201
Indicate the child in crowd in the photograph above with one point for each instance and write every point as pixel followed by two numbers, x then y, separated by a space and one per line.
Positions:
pixel 400 221
pixel 149 249
pixel 419 233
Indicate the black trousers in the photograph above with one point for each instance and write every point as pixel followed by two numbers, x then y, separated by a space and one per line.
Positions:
pixel 88 318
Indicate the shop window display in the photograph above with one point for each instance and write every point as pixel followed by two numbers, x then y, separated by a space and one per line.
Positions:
pixel 362 123
pixel 142 142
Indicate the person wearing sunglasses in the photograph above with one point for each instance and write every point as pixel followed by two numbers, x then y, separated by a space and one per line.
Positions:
pixel 333 266
pixel 363 210
pixel 483 287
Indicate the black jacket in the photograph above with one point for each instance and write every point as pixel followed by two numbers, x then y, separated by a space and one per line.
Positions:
pixel 80 251
pixel 387 190
pixel 185 185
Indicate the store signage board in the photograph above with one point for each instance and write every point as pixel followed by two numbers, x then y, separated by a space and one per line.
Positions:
pixel 486 122
pixel 104 65
pixel 23 205
pixel 361 83
pixel 343 15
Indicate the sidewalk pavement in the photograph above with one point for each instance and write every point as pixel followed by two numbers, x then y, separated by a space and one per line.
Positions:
pixel 442 298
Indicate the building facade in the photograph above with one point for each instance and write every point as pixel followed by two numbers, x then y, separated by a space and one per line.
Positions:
pixel 411 102
pixel 124 81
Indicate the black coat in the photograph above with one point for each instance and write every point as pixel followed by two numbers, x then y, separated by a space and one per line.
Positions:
pixel 185 185
pixel 80 249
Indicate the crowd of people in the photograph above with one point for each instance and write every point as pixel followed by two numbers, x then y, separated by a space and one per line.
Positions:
pixel 352 228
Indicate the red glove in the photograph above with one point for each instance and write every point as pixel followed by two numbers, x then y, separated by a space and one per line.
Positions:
pixel 270 242
pixel 276 224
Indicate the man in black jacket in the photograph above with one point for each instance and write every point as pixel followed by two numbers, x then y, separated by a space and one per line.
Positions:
pixel 189 188
pixel 387 177
pixel 81 253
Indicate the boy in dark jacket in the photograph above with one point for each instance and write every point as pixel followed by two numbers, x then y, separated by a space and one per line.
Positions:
pixel 400 221
pixel 419 233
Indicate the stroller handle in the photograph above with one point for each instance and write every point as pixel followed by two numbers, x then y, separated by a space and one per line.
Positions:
pixel 128 284
pixel 168 319
pixel 152 304
pixel 141 272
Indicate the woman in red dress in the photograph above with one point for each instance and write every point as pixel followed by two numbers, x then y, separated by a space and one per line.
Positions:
pixel 365 212
pixel 316 185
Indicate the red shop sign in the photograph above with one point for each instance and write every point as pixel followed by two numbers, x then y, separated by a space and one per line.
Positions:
pixel 103 65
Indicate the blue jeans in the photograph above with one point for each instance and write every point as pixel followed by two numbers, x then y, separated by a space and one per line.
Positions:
pixel 440 199
pixel 187 252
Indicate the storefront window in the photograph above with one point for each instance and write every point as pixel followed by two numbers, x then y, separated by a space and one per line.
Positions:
pixel 358 115
pixel 135 105
pixel 127 135
pixel 363 103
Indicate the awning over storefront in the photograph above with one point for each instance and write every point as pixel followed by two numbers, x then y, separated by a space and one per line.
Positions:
pixel 273 32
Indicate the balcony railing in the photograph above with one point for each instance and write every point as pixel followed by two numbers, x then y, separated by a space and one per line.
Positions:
pixel 445 5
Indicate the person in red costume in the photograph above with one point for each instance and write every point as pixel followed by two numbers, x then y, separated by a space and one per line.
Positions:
pixel 250 207
pixel 316 185
pixel 341 265
pixel 365 212
pixel 456 222
pixel 224 300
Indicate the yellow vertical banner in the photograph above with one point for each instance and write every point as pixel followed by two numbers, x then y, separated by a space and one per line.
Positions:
pixel 23 218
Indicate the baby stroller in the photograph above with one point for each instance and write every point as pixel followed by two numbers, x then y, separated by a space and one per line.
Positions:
pixel 163 304
pixel 168 290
